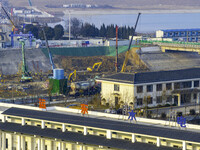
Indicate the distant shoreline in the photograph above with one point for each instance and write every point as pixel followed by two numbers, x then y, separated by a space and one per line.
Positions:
pixel 122 11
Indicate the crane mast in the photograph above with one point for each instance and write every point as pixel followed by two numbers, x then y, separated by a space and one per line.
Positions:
pixel 127 53
pixel 47 45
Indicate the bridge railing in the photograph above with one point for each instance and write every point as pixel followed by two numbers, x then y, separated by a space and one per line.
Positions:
pixel 172 43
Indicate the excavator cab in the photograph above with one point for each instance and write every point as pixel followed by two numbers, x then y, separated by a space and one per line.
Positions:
pixel 95 67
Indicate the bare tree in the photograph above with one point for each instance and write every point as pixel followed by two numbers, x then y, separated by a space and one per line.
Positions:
pixel 75 27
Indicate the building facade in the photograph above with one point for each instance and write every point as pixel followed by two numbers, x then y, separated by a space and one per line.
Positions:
pixel 186 35
pixel 152 88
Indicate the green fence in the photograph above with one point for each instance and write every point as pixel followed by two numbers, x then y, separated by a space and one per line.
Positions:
pixel 85 51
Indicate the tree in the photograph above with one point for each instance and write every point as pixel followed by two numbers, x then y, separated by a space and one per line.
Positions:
pixel 33 29
pixel 102 32
pixel 75 27
pixel 88 30
pixel 58 31
pixel 49 33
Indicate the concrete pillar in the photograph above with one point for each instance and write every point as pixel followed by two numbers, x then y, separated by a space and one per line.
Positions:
pixel 23 121
pixel 192 86
pixel 85 131
pixel 133 138
pixel 3 135
pixel 59 146
pixel 19 142
pixel 63 146
pixel 63 127
pixel 23 142
pixel 31 145
pixel 108 134
pixel 42 124
pixel 197 98
pixel 10 142
pixel 4 118
pixel 158 142
pixel 179 99
pixel 42 144
pixel 39 144
pixel 0 139
pixel 53 145
pixel 184 146
pixel 80 147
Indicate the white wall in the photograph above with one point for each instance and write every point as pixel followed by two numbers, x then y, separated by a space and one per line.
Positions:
pixel 159 34
pixel 125 92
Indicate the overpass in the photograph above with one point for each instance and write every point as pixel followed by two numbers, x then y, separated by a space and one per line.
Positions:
pixel 175 46
pixel 36 129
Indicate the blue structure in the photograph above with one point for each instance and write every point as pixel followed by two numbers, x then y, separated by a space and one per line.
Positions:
pixel 58 74
pixel 185 35
pixel 29 36
pixel 181 121
pixel 132 115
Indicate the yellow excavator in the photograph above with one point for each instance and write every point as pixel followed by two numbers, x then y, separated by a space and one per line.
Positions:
pixel 72 76
pixel 94 68
pixel 127 53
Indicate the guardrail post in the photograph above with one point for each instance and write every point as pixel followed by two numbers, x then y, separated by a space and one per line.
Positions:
pixel 133 138
pixel 63 127
pixel 184 145
pixel 158 142
pixel 108 134
pixel 85 131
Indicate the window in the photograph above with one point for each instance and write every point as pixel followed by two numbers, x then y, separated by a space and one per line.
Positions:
pixel 159 87
pixel 139 89
pixel 195 96
pixel 6 143
pixel 169 99
pixel 159 99
pixel 168 86
pixel 186 84
pixel 149 100
pixel 116 87
pixel 26 146
pixel 176 85
pixel 196 83
pixel 149 88
pixel 139 101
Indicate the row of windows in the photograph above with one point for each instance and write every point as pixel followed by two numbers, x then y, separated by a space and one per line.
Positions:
pixel 177 85
pixel 149 100
pixel 181 33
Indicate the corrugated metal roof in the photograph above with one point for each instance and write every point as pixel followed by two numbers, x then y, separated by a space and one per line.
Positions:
pixel 158 76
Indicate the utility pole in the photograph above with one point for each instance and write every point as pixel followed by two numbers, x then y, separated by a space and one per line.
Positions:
pixel 116 58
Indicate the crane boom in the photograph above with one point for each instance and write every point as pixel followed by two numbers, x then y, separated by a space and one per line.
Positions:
pixel 8 17
pixel 127 53
pixel 47 45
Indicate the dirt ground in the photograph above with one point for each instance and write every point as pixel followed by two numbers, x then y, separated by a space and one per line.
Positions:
pixel 108 63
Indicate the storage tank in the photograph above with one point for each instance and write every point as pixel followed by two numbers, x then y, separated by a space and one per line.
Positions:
pixel 58 74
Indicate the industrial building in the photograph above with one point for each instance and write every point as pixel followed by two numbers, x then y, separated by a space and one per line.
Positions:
pixel 186 35
pixel 52 129
pixel 152 88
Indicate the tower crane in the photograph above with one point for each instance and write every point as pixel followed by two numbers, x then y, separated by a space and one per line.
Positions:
pixel 127 53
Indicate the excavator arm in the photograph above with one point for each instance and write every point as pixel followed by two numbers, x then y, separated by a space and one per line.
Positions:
pixel 70 78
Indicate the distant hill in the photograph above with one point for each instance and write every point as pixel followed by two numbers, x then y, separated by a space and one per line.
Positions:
pixel 123 4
